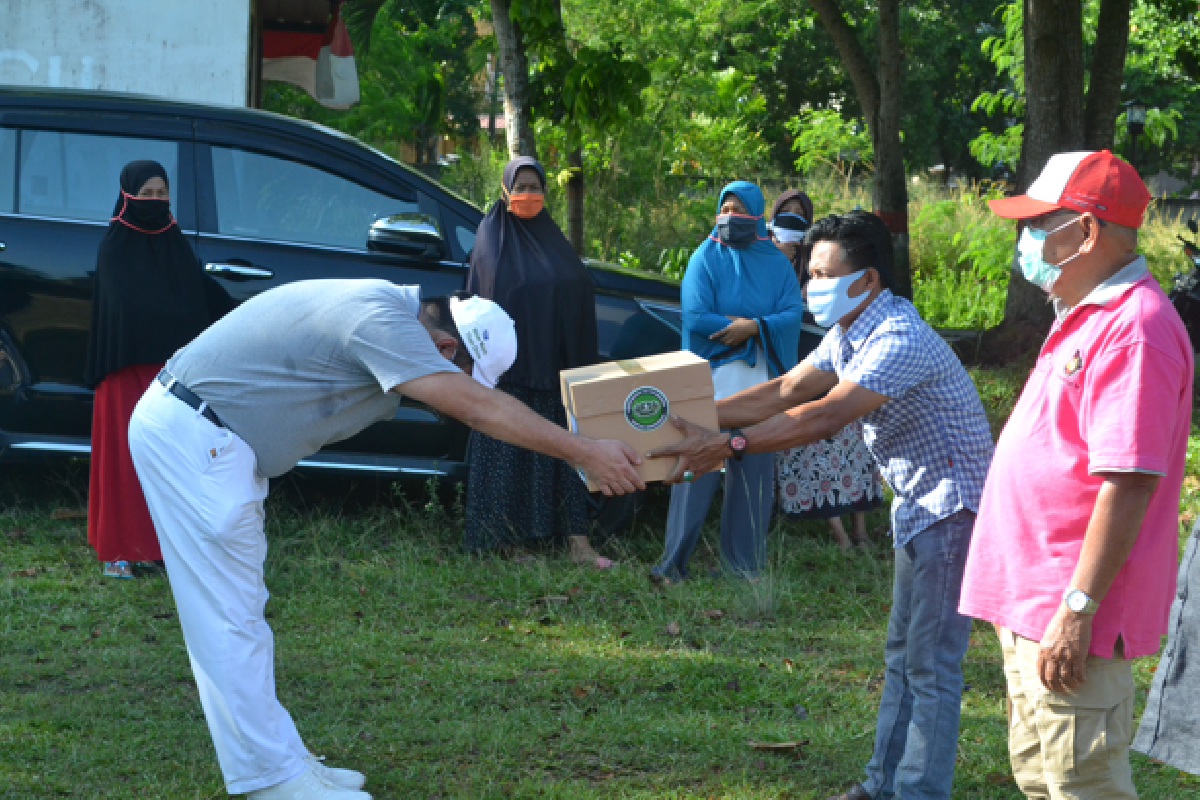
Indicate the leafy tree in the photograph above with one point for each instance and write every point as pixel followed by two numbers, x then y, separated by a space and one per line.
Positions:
pixel 823 137
pixel 880 97
pixel 1068 65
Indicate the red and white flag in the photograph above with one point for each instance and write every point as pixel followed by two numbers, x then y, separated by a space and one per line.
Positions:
pixel 322 64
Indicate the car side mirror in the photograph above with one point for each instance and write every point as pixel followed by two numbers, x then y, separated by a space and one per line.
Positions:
pixel 408 234
pixel 1192 225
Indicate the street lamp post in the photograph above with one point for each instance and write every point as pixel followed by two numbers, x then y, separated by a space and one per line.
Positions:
pixel 1135 123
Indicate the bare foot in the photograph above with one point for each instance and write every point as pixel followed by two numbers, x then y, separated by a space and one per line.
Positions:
pixel 581 552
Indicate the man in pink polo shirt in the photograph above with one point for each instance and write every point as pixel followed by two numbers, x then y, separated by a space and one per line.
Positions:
pixel 1075 547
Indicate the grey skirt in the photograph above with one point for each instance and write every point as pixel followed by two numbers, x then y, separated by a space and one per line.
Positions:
pixel 1170 727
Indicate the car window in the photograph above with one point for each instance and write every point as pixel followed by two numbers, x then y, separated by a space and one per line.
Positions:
pixel 466 238
pixel 8 169
pixel 462 233
pixel 264 197
pixel 78 175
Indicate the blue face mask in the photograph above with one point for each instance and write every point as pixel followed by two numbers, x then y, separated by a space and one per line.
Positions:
pixel 1034 267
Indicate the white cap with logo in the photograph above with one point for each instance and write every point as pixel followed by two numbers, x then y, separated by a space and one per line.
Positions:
pixel 489 334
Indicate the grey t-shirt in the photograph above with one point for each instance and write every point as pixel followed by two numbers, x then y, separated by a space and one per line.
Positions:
pixel 298 367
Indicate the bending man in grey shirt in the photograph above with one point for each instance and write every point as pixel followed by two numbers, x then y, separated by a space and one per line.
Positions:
pixel 288 372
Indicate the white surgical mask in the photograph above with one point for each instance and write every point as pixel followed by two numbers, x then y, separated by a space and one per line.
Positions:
pixel 828 299
pixel 1034 267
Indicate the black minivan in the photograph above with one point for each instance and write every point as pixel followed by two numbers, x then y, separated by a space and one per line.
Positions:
pixel 264 200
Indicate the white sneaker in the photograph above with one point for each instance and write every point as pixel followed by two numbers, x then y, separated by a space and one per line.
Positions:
pixel 342 778
pixel 309 786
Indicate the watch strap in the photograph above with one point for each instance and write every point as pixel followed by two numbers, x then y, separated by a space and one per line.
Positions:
pixel 1090 606
pixel 736 434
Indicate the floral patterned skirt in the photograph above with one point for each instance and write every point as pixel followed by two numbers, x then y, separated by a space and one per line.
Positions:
pixel 828 478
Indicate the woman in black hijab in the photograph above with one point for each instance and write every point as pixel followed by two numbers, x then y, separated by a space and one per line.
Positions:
pixel 148 301
pixel 522 261
pixel 836 476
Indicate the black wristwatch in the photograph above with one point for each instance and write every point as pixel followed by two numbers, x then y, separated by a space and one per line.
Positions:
pixel 737 443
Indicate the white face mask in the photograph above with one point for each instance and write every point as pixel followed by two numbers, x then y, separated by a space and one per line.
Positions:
pixel 828 299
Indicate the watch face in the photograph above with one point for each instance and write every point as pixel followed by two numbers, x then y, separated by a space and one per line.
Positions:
pixel 737 442
pixel 1076 601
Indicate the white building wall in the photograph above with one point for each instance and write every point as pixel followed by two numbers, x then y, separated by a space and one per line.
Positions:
pixel 182 49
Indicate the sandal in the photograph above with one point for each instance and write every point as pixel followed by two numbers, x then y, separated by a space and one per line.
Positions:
pixel 117 569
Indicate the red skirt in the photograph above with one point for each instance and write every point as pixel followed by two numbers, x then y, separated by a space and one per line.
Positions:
pixel 119 527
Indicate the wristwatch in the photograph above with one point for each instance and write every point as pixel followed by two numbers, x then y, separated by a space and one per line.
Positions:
pixel 737 443
pixel 1077 600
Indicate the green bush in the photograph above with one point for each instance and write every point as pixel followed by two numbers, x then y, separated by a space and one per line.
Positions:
pixel 960 254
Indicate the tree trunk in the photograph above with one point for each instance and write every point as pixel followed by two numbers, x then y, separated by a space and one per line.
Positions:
pixel 575 200
pixel 493 93
pixel 890 192
pixel 1108 66
pixel 1053 83
pixel 514 66
pixel 1053 122
pixel 854 58
pixel 880 98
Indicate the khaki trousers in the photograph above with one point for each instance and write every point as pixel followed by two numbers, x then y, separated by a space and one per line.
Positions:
pixel 1071 746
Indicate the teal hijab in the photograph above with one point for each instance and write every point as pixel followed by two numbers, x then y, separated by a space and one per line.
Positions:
pixel 753 282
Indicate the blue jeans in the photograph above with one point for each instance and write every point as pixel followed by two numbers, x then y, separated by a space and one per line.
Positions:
pixel 916 738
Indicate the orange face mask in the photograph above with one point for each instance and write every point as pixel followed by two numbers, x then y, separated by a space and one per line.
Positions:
pixel 526 205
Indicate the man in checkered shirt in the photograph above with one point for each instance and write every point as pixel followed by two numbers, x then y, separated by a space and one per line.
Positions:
pixel 924 424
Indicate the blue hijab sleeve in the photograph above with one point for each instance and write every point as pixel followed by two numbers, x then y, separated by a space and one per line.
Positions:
pixel 698 296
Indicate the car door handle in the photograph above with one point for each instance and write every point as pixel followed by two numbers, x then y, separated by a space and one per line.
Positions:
pixel 3 247
pixel 237 272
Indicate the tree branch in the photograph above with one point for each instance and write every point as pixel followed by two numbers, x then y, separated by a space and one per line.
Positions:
pixel 862 74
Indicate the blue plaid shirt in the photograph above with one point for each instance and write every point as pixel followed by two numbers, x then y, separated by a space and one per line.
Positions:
pixel 931 437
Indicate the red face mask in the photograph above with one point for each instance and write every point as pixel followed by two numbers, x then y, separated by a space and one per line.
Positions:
pixel 526 205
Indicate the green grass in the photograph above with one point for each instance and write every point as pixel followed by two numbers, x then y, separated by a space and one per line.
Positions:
pixel 444 675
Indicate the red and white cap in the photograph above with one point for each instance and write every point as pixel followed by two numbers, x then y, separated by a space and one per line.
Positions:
pixel 1084 181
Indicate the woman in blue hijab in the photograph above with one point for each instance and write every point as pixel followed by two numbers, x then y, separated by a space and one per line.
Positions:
pixel 741 311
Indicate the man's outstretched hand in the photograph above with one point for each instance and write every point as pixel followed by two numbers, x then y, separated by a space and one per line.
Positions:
pixel 700 452
pixel 613 466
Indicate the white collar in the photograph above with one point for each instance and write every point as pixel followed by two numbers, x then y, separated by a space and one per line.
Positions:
pixel 1110 289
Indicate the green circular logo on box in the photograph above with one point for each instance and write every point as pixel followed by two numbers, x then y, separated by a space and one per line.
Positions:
pixel 646 408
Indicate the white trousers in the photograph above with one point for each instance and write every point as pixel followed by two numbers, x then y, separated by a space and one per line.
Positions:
pixel 206 498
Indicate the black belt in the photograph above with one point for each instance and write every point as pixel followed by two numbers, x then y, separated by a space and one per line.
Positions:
pixel 188 396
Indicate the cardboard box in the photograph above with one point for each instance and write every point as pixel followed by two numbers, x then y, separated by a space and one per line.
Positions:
pixel 631 401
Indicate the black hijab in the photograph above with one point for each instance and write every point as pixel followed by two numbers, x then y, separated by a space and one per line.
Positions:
pixel 531 270
pixel 800 259
pixel 149 292
pixel 794 194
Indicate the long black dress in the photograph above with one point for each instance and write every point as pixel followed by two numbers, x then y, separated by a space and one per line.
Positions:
pixel 529 268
